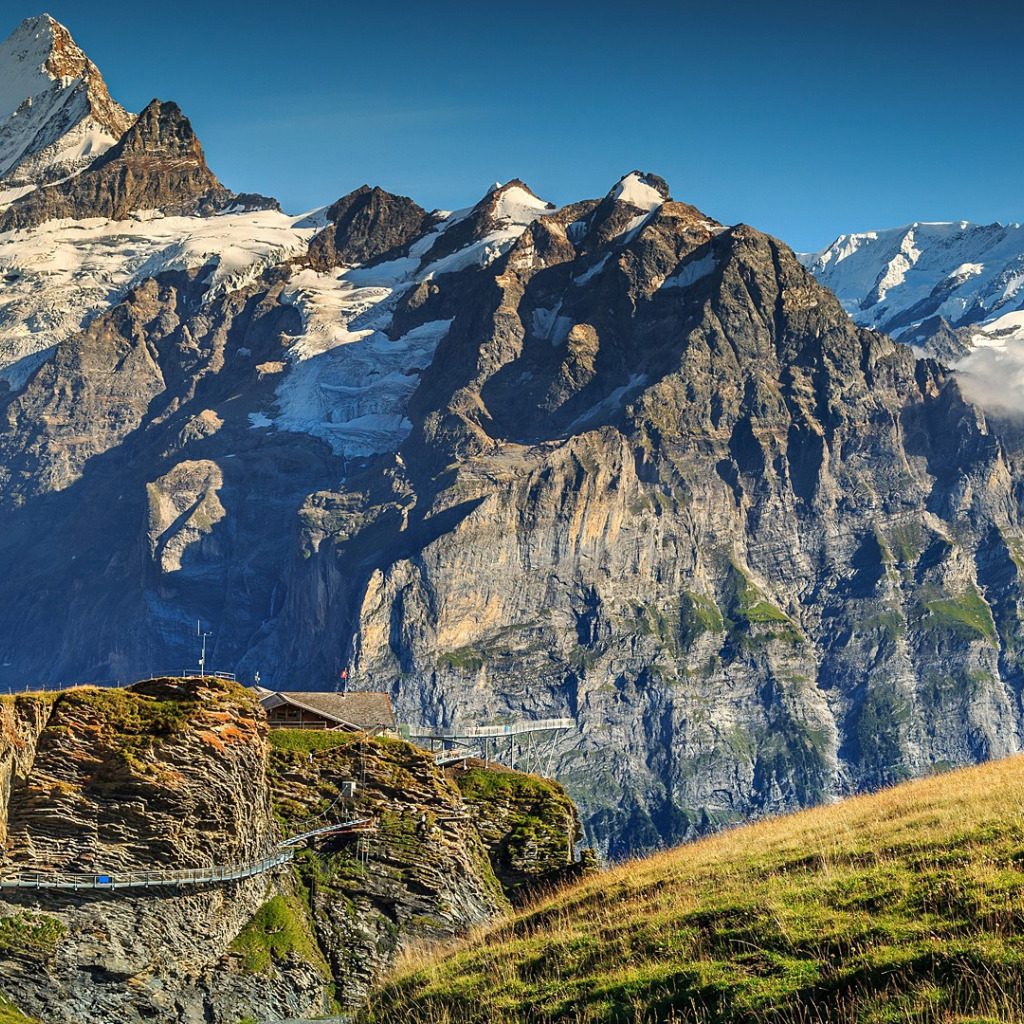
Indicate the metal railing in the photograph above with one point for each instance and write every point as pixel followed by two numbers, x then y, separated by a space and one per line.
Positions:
pixel 442 758
pixel 453 732
pixel 359 825
pixel 134 879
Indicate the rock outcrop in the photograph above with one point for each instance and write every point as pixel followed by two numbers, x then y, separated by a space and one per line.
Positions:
pixel 178 773
pixel 367 226
pixel 435 862
pixel 529 826
pixel 168 774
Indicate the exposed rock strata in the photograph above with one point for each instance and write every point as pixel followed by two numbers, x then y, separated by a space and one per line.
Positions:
pixel 656 481
pixel 174 773
pixel 761 556
pixel 169 774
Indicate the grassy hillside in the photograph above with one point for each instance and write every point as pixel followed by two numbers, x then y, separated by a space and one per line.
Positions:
pixel 903 906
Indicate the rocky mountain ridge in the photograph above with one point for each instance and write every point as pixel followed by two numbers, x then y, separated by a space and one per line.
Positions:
pixel 615 462
pixel 944 287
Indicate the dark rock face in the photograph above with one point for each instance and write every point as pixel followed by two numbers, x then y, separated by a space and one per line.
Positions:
pixel 934 335
pixel 157 165
pixel 367 226
pixel 763 557
pixel 178 502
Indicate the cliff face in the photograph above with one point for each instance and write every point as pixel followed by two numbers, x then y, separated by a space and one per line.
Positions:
pixel 651 478
pixel 529 826
pixel 660 483
pixel 169 774
pixel 433 864
pixel 178 773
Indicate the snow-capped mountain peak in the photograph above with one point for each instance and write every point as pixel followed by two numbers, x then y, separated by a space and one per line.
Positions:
pixel 56 114
pixel 896 279
pixel 640 190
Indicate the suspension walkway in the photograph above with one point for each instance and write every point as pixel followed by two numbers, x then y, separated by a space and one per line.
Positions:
pixel 134 878
pixel 459 742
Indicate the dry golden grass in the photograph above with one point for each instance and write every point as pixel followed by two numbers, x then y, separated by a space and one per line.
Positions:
pixel 907 905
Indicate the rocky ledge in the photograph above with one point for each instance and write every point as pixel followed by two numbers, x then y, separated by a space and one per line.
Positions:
pixel 183 773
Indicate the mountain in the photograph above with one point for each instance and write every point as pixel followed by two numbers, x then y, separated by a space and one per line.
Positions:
pixel 56 114
pixel 890 907
pixel 943 286
pixel 614 462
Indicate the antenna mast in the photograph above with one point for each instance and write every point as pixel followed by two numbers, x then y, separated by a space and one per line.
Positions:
pixel 202 656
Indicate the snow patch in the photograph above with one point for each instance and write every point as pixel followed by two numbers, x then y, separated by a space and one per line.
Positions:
pixel 350 386
pixel 633 227
pixel 58 277
pixel 596 269
pixel 609 403
pixel 577 230
pixel 518 206
pixel 513 212
pixel 636 192
pixel 692 272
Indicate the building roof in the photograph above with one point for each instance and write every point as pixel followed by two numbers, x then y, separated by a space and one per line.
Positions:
pixel 360 710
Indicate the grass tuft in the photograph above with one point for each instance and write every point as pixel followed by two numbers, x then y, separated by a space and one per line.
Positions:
pixel 10 1014
pixel 310 741
pixel 276 932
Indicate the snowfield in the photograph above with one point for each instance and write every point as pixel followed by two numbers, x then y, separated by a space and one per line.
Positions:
pixel 56 278
pixel 348 382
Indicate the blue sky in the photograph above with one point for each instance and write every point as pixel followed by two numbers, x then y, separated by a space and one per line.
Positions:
pixel 803 119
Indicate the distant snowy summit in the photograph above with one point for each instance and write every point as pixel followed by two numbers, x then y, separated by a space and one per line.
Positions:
pixel 56 114
pixel 945 288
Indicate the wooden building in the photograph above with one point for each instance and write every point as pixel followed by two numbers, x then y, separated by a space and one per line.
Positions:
pixel 343 712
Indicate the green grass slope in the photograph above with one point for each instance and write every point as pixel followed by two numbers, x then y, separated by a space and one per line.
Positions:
pixel 903 906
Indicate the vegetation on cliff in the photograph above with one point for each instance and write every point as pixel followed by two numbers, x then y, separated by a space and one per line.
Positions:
pixel 279 929
pixel 447 850
pixel 185 770
pixel 530 827
pixel 9 1014
pixel 902 906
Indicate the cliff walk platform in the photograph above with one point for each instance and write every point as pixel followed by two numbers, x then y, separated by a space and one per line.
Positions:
pixel 137 878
